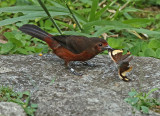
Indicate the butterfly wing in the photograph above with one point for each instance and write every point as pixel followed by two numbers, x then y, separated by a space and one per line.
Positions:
pixel 123 63
pixel 123 69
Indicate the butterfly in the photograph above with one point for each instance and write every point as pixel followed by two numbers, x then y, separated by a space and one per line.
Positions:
pixel 122 62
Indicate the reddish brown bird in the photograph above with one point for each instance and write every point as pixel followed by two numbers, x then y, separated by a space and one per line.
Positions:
pixel 69 47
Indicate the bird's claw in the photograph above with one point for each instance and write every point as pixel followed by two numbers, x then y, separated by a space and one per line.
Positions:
pixel 74 72
pixel 88 64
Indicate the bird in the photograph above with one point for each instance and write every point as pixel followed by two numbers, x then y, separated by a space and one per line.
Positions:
pixel 68 47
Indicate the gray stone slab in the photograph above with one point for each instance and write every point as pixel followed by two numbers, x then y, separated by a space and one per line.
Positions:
pixel 99 92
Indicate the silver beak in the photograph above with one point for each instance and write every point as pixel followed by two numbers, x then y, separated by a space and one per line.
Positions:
pixel 107 48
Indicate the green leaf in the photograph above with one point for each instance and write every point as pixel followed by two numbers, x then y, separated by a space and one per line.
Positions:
pixel 21 18
pixel 141 54
pixel 79 17
pixel 27 9
pixel 26 93
pixel 57 4
pixel 127 100
pixel 38 50
pixel 132 93
pixel 152 90
pixel 158 53
pixel 134 100
pixel 48 23
pixel 11 37
pixel 154 43
pixel 100 12
pixel 30 48
pixel 114 24
pixel 117 25
pixel 21 51
pixel 102 30
pixel 145 31
pixel 144 45
pixel 41 48
pixel 145 109
pixel 64 24
pixel 6 48
pixel 30 16
pixel 136 48
pixel 138 22
pixel 34 105
pixel 93 10
pixel 149 52
pixel 115 43
pixel 131 9
pixel 76 33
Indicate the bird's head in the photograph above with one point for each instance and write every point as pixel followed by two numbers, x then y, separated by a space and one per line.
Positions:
pixel 101 45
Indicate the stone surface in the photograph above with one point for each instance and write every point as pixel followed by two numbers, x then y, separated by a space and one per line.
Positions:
pixel 99 92
pixel 11 109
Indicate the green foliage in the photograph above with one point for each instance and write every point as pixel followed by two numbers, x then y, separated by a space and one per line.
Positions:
pixel 122 17
pixel 147 48
pixel 93 10
pixel 116 43
pixel 138 23
pixel 5 3
pixel 141 101
pixel 19 44
pixel 49 15
pixel 30 13
pixel 143 3
pixel 21 98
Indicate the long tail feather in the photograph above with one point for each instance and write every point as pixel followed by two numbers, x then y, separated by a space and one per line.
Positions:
pixel 34 31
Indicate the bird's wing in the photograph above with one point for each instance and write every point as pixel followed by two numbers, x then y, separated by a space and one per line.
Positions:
pixel 75 44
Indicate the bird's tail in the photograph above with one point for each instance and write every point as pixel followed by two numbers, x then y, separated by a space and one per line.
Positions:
pixel 35 31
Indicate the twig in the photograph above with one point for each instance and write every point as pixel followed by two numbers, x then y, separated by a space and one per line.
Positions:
pixel 101 3
pixel 45 9
pixel 124 5
pixel 78 24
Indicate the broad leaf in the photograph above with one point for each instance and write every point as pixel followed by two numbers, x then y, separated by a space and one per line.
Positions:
pixel 158 53
pixel 149 52
pixel 155 43
pixel 5 48
pixel 145 109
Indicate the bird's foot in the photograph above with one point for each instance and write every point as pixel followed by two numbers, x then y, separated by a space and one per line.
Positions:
pixel 71 69
pixel 74 72
pixel 88 64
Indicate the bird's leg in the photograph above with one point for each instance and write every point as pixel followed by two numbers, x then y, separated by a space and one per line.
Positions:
pixel 88 64
pixel 71 69
pixel 76 63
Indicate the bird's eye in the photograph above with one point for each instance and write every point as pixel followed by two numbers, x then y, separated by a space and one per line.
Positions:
pixel 100 44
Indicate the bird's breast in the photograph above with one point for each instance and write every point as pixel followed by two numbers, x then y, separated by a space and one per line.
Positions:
pixel 70 56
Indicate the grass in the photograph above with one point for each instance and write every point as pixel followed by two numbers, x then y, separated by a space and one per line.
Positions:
pixel 22 98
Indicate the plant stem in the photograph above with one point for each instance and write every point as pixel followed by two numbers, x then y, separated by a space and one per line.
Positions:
pixel 47 12
pixel 78 24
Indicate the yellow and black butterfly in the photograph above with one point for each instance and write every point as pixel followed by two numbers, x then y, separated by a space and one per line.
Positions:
pixel 122 62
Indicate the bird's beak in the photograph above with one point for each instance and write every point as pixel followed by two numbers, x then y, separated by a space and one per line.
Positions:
pixel 107 48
